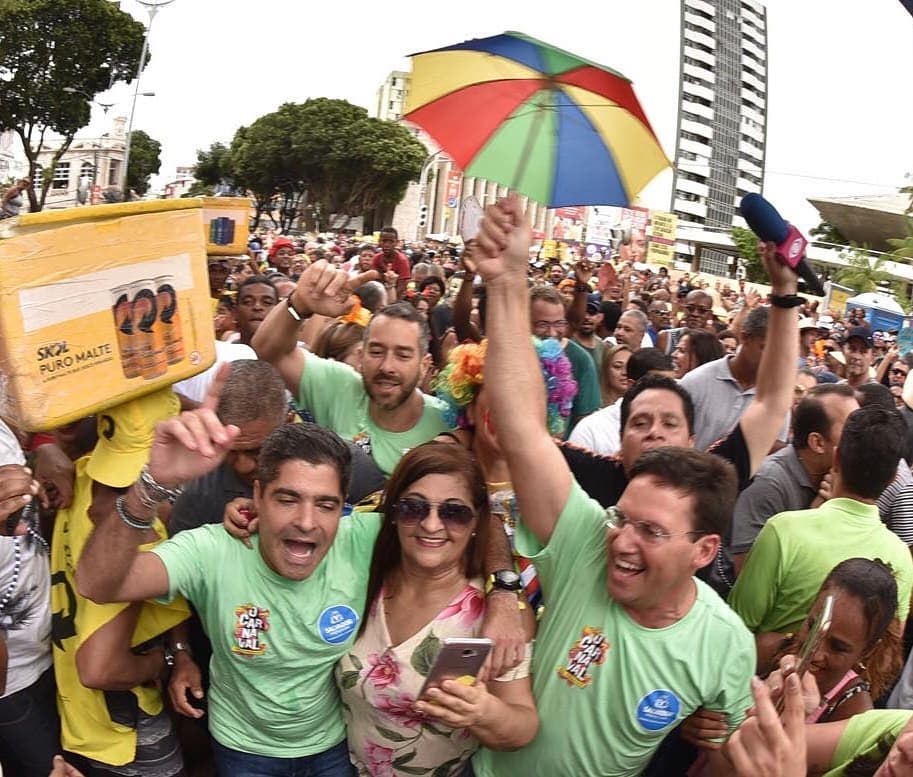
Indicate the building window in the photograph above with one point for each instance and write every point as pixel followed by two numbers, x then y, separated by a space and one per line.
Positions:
pixel 114 172
pixel 61 179
pixel 87 171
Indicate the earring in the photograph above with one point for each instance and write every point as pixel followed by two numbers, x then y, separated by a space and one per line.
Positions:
pixel 473 534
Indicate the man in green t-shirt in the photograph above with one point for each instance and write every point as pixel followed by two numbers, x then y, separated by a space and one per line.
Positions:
pixel 278 617
pixel 796 551
pixel 381 410
pixel 630 643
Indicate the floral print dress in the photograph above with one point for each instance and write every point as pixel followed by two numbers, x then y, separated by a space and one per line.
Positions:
pixel 380 682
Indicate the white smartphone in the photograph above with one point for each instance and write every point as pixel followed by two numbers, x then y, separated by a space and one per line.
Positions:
pixel 457 658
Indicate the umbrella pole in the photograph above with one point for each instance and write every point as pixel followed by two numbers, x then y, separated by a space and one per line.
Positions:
pixel 530 143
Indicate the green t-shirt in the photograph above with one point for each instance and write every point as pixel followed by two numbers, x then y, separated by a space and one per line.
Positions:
pixel 863 737
pixel 796 551
pixel 589 398
pixel 609 689
pixel 335 394
pixel 275 641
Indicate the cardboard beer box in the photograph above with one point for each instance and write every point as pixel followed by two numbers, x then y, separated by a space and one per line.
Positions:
pixel 225 225
pixel 99 305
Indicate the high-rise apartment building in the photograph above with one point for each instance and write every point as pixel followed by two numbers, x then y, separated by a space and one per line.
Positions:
pixel 391 97
pixel 722 119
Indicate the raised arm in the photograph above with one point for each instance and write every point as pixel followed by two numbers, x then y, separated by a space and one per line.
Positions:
pixel 540 475
pixel 462 303
pixel 583 271
pixel 111 569
pixel 321 289
pixel 762 421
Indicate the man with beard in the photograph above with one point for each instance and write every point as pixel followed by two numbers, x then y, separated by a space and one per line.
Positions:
pixel 380 410
pixel 857 350
pixel 585 332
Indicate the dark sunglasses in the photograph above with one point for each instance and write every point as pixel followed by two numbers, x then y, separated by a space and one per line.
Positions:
pixel 413 509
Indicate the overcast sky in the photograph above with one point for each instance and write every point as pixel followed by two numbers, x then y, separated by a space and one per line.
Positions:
pixel 840 120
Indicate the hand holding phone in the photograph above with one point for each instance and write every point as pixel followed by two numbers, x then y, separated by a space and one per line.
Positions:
pixel 457 659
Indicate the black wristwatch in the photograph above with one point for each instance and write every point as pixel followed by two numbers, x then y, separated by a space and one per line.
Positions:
pixel 504 580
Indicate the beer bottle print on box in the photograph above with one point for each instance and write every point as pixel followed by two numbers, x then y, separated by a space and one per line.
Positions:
pixel 123 323
pixel 169 318
pixel 147 331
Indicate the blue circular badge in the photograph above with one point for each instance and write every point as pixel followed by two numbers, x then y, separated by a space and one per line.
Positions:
pixel 658 709
pixel 337 623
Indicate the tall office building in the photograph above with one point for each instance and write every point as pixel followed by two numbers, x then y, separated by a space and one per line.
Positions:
pixel 722 118
pixel 391 97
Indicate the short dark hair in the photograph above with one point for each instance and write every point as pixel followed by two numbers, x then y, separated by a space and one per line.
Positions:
pixel 257 280
pixel 875 394
pixel 431 458
pixel 432 280
pixel 810 414
pixel 870 448
pixel 704 346
pixel 304 442
pixel 755 323
pixel 547 294
pixel 646 360
pixel 404 311
pixel 253 391
pixel 709 479
pixel 657 382
pixel 727 333
pixel 611 312
pixel 390 231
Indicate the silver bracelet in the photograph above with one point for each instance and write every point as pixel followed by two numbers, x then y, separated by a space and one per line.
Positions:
pixel 132 521
pixel 154 491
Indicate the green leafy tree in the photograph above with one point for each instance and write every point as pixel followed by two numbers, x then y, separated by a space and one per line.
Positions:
pixel 54 58
pixel 746 242
pixel 324 156
pixel 214 167
pixel 826 232
pixel 864 271
pixel 145 159
pixel 198 189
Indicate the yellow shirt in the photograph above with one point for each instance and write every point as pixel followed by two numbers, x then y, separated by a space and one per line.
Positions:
pixel 87 727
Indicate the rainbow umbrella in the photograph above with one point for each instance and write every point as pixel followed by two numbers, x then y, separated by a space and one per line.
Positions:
pixel 544 122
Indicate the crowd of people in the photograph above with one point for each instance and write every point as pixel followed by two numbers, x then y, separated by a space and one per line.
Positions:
pixel 641 487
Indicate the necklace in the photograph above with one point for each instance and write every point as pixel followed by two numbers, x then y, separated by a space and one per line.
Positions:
pixel 14 582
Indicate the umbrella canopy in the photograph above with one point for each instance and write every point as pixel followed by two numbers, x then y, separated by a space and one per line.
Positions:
pixel 558 128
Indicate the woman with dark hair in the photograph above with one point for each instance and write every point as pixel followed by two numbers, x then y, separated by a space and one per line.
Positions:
pixel 695 347
pixel 426 584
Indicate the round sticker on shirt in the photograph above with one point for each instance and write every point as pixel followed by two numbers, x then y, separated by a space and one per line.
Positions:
pixel 337 624
pixel 658 709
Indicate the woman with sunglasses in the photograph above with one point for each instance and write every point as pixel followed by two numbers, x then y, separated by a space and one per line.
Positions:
pixel 426 585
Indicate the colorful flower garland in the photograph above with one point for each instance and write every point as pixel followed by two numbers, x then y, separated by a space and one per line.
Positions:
pixel 459 382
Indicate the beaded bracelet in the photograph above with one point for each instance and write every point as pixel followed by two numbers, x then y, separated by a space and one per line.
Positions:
pixel 132 521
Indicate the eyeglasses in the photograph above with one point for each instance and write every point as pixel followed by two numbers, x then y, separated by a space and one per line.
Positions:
pixel 697 309
pixel 649 532
pixel 414 509
pixel 547 326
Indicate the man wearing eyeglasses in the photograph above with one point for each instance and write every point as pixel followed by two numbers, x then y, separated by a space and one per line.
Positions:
pixel 548 318
pixel 698 305
pixel 631 643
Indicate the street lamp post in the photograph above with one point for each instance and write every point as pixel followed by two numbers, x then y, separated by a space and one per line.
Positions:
pixel 153 7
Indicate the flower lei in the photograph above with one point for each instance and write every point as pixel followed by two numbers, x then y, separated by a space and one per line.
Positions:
pixel 459 381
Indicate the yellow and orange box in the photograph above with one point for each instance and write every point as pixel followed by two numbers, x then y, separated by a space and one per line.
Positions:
pixel 99 305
